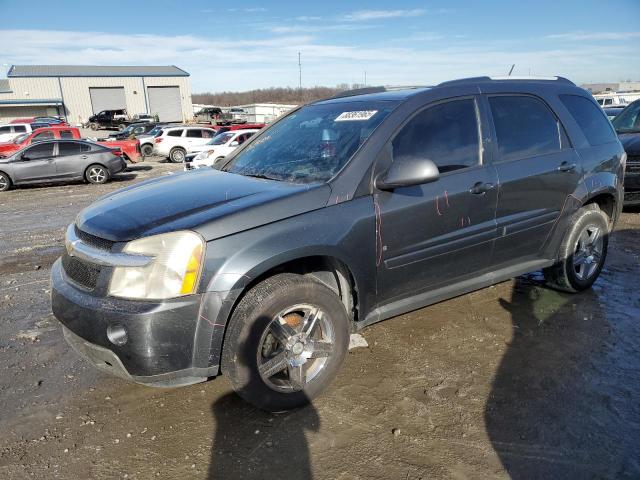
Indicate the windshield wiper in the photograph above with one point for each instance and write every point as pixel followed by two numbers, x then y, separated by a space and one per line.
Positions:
pixel 259 175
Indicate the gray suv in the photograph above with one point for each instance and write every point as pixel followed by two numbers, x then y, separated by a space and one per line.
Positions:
pixel 343 213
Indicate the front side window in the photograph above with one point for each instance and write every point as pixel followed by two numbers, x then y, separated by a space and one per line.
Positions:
pixel 68 148
pixel 311 144
pixel 589 118
pixel 6 129
pixel 207 133
pixel 628 121
pixel 42 136
pixel 446 134
pixel 525 127
pixel 43 150
pixel 194 133
pixel 20 129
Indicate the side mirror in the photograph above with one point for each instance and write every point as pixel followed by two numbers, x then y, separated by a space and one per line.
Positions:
pixel 406 172
pixel 234 143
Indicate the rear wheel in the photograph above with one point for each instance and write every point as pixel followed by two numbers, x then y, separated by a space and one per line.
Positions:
pixel 97 174
pixel 285 342
pixel 177 155
pixel 146 150
pixel 94 126
pixel 5 182
pixel 582 252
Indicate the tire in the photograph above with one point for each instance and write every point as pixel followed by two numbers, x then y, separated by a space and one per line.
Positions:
pixel 218 161
pixel 93 126
pixel 96 174
pixel 583 251
pixel 146 150
pixel 5 182
pixel 252 338
pixel 176 155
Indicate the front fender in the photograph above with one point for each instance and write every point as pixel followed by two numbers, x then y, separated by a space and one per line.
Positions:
pixel 345 232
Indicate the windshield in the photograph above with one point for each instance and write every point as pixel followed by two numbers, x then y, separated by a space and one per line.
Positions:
pixel 629 119
pixel 312 144
pixel 20 138
pixel 221 139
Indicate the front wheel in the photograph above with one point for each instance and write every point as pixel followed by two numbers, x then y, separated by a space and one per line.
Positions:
pixel 285 342
pixel 97 174
pixel 582 252
pixel 5 182
pixel 177 155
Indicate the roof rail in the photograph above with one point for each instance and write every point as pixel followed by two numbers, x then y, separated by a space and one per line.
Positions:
pixel 379 89
pixel 463 81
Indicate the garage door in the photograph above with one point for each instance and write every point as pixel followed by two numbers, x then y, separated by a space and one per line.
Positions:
pixel 107 99
pixel 165 102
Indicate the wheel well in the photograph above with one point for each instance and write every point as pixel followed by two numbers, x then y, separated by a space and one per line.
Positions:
pixel 177 148
pixel 327 270
pixel 8 176
pixel 607 204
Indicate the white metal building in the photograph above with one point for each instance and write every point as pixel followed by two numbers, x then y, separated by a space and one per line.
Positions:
pixel 264 112
pixel 77 92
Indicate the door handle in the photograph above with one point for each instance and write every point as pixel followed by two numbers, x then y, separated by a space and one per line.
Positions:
pixel 566 167
pixel 481 188
pixel 84 157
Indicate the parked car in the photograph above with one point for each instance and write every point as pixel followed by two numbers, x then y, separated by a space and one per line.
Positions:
pixel 342 213
pixel 109 119
pixel 147 139
pixel 52 121
pixel 214 151
pixel 130 148
pixel 143 117
pixel 13 130
pixel 59 161
pixel 627 125
pixel 133 130
pixel 175 142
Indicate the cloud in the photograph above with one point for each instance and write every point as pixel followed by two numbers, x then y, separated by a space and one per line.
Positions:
pixel 220 63
pixel 579 36
pixel 366 15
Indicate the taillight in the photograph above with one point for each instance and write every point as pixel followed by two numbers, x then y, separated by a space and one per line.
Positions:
pixel 158 140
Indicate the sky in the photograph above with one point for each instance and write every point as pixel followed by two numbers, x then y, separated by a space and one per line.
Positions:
pixel 236 46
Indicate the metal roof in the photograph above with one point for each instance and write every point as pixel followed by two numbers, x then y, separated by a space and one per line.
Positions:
pixel 95 71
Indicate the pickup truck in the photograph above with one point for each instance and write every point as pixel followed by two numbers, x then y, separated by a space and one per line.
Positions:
pixel 130 148
pixel 109 119
pixel 215 116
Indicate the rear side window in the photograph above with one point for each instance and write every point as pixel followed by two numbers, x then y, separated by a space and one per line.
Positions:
pixel 447 134
pixel 6 129
pixel 66 134
pixel 68 148
pixel 590 119
pixel 20 129
pixel 525 127
pixel 194 133
pixel 175 133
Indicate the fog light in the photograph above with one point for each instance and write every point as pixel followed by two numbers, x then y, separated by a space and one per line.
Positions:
pixel 117 334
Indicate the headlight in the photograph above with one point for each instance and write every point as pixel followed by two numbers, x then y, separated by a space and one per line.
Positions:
pixel 173 272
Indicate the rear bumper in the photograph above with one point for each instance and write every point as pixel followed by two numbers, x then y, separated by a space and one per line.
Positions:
pixel 160 334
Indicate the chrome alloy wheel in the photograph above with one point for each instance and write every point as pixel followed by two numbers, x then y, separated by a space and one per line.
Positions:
pixel 295 348
pixel 97 175
pixel 4 183
pixel 588 252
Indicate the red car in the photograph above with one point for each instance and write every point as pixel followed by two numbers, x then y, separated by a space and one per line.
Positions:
pixel 130 148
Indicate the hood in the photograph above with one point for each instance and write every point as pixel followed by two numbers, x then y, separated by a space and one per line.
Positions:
pixel 630 142
pixel 211 202
pixel 8 148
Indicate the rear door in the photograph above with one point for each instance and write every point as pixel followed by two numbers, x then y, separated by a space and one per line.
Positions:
pixel 36 163
pixel 438 233
pixel 537 170
pixel 71 159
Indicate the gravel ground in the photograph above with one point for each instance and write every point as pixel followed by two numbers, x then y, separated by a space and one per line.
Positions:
pixel 515 380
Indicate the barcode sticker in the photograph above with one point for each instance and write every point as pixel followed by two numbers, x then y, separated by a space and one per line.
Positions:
pixel 359 116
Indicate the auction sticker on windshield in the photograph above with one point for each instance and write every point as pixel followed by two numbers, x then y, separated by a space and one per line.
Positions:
pixel 360 115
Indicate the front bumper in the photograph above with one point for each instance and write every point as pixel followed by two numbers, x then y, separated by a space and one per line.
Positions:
pixel 161 335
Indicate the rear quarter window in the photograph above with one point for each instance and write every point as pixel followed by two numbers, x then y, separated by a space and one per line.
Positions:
pixel 175 133
pixel 590 118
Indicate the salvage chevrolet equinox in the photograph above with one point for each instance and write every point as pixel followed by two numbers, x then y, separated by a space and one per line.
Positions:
pixel 342 213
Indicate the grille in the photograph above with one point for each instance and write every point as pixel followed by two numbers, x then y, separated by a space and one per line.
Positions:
pixel 633 168
pixel 94 241
pixel 83 273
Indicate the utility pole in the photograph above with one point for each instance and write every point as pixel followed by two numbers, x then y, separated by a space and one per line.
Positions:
pixel 365 78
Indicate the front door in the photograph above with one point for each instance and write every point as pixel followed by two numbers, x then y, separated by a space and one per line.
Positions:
pixel 441 232
pixel 36 163
pixel 537 169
